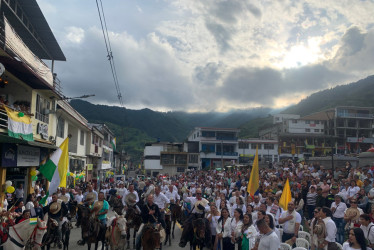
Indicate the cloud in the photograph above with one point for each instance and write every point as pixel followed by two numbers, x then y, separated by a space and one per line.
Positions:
pixel 213 54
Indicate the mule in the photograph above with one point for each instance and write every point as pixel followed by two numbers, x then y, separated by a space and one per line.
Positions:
pixel 25 235
pixel 92 230
pixel 52 234
pixel 65 232
pixel 151 238
pixel 197 233
pixel 134 221
pixel 116 233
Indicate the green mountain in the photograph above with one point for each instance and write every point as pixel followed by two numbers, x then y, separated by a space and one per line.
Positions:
pixel 135 127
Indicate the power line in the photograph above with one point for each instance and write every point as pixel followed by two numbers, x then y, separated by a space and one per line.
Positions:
pixel 109 50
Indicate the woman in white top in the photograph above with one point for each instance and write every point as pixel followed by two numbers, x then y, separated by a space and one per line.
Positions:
pixel 254 214
pixel 236 226
pixel 249 233
pixel 239 204
pixel 356 240
pixel 213 217
pixel 270 221
pixel 223 230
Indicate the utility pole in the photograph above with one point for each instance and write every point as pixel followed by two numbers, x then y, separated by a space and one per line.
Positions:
pixel 222 154
pixel 332 142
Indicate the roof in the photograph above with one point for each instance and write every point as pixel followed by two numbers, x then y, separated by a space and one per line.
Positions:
pixel 31 9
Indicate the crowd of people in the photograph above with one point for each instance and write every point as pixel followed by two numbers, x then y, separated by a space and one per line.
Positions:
pixel 334 207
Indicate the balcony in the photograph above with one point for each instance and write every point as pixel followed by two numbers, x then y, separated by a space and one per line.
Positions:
pixel 227 153
pixel 354 115
pixel 3 119
pixel 226 138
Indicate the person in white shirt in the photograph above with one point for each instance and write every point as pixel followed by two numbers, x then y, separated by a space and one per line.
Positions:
pixel 353 190
pixel 79 196
pixel 236 226
pixel 269 239
pixel 273 209
pixel 356 240
pixel 256 203
pixel 162 202
pixel 127 192
pixel 351 218
pixel 368 228
pixel 291 222
pixel 325 214
pixel 338 208
pixel 224 230
pixel 238 204
pixel 172 195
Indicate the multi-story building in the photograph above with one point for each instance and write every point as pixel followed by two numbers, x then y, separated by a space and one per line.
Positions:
pixel 94 152
pixel 218 147
pixel 165 157
pixel 28 86
pixel 267 150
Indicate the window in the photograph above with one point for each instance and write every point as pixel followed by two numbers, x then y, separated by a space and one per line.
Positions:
pixel 268 146
pixel 316 122
pixel 198 134
pixel 82 138
pixel 307 130
pixel 322 130
pixel 208 134
pixel 243 145
pixel 316 130
pixel 307 122
pixel 193 158
pixel 42 105
pixel 294 121
pixel 60 127
pixel 253 146
pixel 208 148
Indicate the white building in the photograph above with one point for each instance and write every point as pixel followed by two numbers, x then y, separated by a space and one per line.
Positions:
pixel 267 150
pixel 279 118
pixel 218 147
pixel 301 126
pixel 165 157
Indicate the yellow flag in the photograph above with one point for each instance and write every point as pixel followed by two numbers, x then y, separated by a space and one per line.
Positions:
pixel 286 196
pixel 63 163
pixel 254 180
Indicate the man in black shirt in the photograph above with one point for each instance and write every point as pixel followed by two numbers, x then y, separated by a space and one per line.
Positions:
pixel 150 213
pixel 57 210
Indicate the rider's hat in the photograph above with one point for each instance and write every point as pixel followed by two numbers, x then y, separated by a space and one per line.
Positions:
pixel 90 197
pixel 55 207
pixel 98 205
pixel 64 198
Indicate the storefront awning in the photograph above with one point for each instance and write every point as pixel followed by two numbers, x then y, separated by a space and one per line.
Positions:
pixel 7 139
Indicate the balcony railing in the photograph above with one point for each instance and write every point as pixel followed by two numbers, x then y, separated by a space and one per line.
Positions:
pixel 226 138
pixel 227 153
pixel 3 119
pixel 354 115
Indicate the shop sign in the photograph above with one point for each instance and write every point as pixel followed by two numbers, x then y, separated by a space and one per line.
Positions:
pixel 9 155
pixel 42 130
pixel 89 166
pixel 106 165
pixel 28 156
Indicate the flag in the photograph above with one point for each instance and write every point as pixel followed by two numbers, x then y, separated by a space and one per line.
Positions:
pixel 254 180
pixel 286 196
pixel 56 168
pixel 33 221
pixel 113 142
pixel 19 125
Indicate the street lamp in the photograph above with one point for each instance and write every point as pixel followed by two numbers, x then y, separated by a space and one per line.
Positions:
pixel 332 145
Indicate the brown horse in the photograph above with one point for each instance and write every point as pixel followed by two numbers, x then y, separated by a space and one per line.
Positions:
pixel 176 215
pixel 51 237
pixel 134 220
pixel 151 238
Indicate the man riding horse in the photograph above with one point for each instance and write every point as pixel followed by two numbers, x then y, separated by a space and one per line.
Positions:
pixel 57 210
pixel 199 206
pixel 150 214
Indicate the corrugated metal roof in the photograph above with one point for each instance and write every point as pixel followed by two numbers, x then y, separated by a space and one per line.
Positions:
pixel 35 16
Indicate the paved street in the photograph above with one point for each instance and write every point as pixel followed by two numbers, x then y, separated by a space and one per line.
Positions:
pixel 76 235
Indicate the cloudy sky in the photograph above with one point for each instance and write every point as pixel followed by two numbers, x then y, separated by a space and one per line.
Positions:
pixel 203 55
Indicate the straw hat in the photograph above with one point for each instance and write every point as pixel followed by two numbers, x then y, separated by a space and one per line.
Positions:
pixel 64 198
pixel 98 205
pixel 55 207
pixel 130 199
pixel 320 229
pixel 353 212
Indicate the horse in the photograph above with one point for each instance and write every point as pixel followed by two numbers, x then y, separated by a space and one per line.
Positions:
pixel 134 221
pixel 51 236
pixel 176 215
pixel 92 231
pixel 65 232
pixel 197 232
pixel 72 205
pixel 116 204
pixel 116 233
pixel 151 238
pixel 25 235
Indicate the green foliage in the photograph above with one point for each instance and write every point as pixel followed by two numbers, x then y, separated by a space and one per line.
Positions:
pixel 251 128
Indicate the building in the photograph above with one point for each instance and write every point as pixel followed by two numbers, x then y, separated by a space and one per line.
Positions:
pixel 267 150
pixel 218 147
pixel 73 125
pixel 165 158
pixel 94 152
pixel 29 87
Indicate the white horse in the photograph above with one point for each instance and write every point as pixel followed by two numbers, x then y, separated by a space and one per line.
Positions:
pixel 116 232
pixel 24 233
